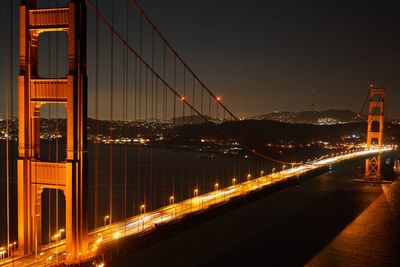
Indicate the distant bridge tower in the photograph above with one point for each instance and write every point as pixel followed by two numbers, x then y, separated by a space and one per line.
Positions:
pixel 375 130
pixel 34 174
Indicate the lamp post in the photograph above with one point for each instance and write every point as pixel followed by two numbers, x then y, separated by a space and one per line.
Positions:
pixel 219 99
pixel 248 177
pixel 142 211
pixel 273 172
pixel 234 181
pixel 2 252
pixel 195 194
pixel 171 202
pixel 216 186
pixel 60 232
pixel 57 237
pixel 13 246
pixel 283 169
pixel 105 219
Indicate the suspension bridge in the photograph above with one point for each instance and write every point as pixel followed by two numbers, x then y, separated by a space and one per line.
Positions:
pixel 111 121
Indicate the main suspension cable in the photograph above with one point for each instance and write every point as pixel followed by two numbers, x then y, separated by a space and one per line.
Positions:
pixel 142 61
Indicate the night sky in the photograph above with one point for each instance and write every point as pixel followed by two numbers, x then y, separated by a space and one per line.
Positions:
pixel 270 55
pixel 263 56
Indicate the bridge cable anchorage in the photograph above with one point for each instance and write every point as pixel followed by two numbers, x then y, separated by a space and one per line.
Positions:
pixel 166 84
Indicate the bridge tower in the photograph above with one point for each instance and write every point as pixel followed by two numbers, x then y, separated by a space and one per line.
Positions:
pixel 35 174
pixel 375 131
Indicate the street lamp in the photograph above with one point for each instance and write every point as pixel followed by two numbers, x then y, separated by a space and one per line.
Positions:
pixel 105 219
pixel 216 186
pixel 142 211
pixel 248 176
pixel 171 202
pixel 2 252
pixel 143 208
pixel 57 237
pixel 195 194
pixel 272 176
pixel 60 233
pixel 215 189
pixel 13 245
pixel 261 173
pixel 234 181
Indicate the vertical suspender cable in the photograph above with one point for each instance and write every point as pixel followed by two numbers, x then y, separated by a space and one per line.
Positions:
pixel 183 121
pixel 146 96
pixel 152 201
pixel 12 87
pixel 145 121
pixel 193 97
pixel 152 74
pixel 12 90
pixel 140 66
pixel 164 86
pixel 164 114
pixel 111 114
pixel 136 89
pixel 6 74
pixel 140 106
pixel 202 102
pixel 57 141
pixel 96 112
pixel 174 117
pixel 156 100
pixel 174 175
pixel 184 93
pixel 49 140
pixel 135 119
pixel 125 110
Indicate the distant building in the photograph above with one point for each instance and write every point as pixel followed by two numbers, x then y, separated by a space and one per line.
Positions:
pixel 327 121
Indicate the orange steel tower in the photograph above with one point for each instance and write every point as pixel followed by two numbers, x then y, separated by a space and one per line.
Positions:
pixel 34 174
pixel 375 130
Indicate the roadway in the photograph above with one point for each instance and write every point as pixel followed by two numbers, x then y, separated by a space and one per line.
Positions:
pixel 141 223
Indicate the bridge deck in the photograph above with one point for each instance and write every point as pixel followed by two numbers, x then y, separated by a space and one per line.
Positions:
pixel 139 224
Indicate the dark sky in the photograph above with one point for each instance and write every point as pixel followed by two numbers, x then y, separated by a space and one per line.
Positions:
pixel 265 55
